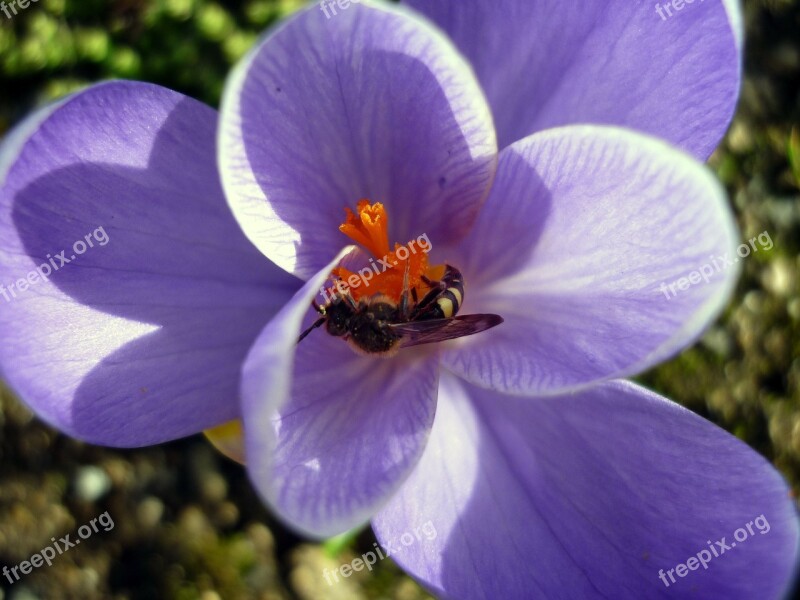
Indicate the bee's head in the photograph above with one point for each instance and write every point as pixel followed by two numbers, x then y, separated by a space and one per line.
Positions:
pixel 338 315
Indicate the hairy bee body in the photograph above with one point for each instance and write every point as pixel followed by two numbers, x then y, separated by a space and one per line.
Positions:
pixel 367 325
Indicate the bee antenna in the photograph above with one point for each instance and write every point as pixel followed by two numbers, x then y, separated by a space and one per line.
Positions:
pixel 316 324
pixel 405 293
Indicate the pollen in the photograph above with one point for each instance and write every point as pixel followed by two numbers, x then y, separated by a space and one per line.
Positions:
pixel 385 274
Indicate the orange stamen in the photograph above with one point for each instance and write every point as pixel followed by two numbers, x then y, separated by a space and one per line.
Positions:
pixel 370 229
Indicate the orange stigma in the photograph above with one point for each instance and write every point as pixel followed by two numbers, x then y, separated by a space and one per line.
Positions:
pixel 384 275
pixel 370 228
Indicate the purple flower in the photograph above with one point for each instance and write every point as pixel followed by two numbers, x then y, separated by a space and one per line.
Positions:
pixel 543 474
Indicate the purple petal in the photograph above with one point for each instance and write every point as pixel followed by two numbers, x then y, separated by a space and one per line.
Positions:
pixel 603 222
pixel 589 496
pixel 331 435
pixel 373 103
pixel 550 63
pixel 140 338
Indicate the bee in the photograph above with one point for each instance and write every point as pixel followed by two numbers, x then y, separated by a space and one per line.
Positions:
pixel 380 325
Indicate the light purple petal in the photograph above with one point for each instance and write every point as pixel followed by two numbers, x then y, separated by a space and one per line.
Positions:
pixel 547 63
pixel 139 339
pixel 372 103
pixel 331 435
pixel 576 248
pixel 588 496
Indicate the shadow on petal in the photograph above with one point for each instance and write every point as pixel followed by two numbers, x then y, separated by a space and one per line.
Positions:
pixel 141 339
pixel 377 105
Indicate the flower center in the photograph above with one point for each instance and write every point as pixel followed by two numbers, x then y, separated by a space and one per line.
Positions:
pixel 369 228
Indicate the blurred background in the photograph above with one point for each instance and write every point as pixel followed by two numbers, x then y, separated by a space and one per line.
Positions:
pixel 187 523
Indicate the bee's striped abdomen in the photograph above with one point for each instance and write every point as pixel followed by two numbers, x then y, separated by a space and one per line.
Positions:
pixel 448 299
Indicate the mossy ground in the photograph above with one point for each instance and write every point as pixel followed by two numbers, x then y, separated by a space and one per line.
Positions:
pixel 187 522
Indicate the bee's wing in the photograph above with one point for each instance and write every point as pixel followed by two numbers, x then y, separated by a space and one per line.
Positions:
pixel 415 333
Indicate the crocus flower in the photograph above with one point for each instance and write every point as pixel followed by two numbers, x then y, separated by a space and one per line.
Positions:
pixel 544 474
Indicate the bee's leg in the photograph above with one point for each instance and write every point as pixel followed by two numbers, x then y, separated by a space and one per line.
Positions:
pixel 317 323
pixel 430 298
pixel 434 284
pixel 437 287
